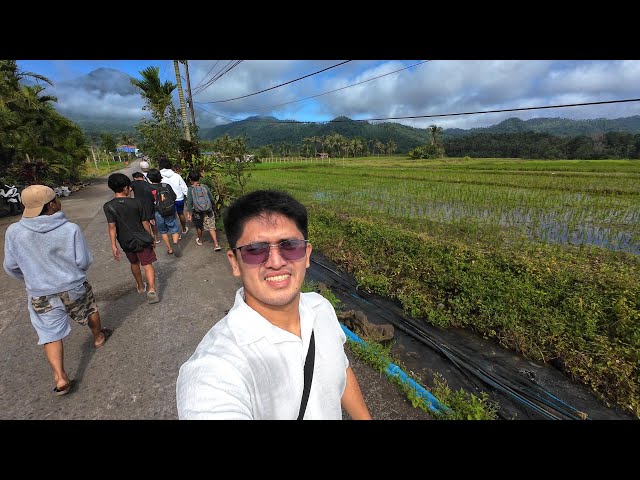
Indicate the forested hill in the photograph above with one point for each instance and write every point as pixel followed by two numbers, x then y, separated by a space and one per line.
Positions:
pixel 261 131
pixel 562 127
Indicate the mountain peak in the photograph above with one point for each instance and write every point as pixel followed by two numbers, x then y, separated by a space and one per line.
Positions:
pixel 104 81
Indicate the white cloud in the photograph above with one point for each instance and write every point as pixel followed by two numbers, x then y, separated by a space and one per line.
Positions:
pixel 436 87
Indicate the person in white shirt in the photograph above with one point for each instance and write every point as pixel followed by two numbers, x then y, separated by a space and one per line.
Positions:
pixel 179 186
pixel 251 364
pixel 144 166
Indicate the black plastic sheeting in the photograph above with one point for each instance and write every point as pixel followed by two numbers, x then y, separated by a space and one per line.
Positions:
pixel 525 390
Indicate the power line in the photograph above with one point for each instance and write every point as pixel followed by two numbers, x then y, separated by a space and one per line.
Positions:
pixel 210 70
pixel 342 88
pixel 217 114
pixel 224 70
pixel 281 85
pixel 454 114
pixel 504 110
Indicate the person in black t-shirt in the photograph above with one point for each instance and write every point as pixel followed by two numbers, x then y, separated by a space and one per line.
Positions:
pixel 126 215
pixel 142 190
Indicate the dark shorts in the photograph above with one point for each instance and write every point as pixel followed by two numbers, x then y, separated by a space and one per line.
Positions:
pixel 204 220
pixel 144 257
pixel 179 206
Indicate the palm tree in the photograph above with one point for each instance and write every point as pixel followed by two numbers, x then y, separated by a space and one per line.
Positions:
pixel 157 95
pixel 391 147
pixel 126 139
pixel 183 108
pixel 435 133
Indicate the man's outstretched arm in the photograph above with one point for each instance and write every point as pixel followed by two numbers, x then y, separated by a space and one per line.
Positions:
pixel 352 399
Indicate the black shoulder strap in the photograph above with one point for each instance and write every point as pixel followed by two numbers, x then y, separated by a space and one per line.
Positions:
pixel 116 214
pixel 308 375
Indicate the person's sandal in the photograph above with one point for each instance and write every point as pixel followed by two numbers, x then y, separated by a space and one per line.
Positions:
pixel 152 297
pixel 106 332
pixel 217 248
pixel 64 390
pixel 198 241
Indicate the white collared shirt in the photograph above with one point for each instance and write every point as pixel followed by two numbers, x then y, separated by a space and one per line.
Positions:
pixel 247 368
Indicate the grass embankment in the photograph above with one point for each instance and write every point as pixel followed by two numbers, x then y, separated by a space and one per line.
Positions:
pixel 463 244
pixel 461 405
pixel 104 168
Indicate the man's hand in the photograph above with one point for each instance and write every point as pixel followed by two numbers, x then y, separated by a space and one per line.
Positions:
pixel 188 216
pixel 116 252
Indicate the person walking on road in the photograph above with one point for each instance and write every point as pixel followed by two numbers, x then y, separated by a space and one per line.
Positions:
pixel 167 223
pixel 200 210
pixel 142 191
pixel 278 353
pixel 125 217
pixel 179 187
pixel 51 256
pixel 144 166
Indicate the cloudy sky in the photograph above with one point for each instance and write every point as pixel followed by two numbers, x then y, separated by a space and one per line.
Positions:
pixel 404 88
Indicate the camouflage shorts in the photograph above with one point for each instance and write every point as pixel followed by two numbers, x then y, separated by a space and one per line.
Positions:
pixel 79 303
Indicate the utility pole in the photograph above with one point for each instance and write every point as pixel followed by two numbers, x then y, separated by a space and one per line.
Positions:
pixel 185 121
pixel 94 157
pixel 189 95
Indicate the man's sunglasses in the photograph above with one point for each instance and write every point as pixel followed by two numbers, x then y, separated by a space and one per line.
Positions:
pixel 256 253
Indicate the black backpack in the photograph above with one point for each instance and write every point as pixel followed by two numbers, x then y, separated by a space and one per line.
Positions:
pixel 165 200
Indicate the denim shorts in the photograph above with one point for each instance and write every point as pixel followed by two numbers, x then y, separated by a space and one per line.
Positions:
pixel 50 314
pixel 167 224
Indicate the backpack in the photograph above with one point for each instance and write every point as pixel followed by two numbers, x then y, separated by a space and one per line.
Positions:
pixel 200 198
pixel 165 201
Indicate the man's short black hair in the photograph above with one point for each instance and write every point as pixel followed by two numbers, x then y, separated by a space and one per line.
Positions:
pixel 164 162
pixel 194 176
pixel 154 175
pixel 262 203
pixel 137 175
pixel 117 182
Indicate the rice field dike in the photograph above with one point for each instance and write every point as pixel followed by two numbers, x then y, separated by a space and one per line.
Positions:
pixel 542 256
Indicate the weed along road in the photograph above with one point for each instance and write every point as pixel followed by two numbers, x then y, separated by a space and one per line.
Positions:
pixel 134 375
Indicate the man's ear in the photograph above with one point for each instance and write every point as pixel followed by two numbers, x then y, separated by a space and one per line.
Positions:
pixel 309 249
pixel 234 263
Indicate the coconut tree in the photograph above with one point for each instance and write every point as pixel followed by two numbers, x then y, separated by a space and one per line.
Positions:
pixel 435 132
pixel 157 95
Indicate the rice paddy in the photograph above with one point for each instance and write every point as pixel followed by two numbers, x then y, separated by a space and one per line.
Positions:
pixel 542 256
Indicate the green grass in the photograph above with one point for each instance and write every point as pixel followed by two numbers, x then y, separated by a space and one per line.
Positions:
pixel 461 404
pixel 104 168
pixel 479 244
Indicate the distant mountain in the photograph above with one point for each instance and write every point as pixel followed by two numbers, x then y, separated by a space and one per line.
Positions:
pixel 102 81
pixel 262 130
pixel 93 127
pixel 562 127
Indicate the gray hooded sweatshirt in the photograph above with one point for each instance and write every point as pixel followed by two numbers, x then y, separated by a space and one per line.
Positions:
pixel 48 253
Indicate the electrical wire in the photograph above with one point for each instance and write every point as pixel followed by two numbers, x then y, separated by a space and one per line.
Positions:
pixel 531 396
pixel 341 88
pixel 281 85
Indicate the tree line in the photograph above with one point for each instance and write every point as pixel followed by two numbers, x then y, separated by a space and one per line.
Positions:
pixel 37 144
pixel 610 145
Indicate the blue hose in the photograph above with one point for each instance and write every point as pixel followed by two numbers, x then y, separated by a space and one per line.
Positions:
pixel 394 370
